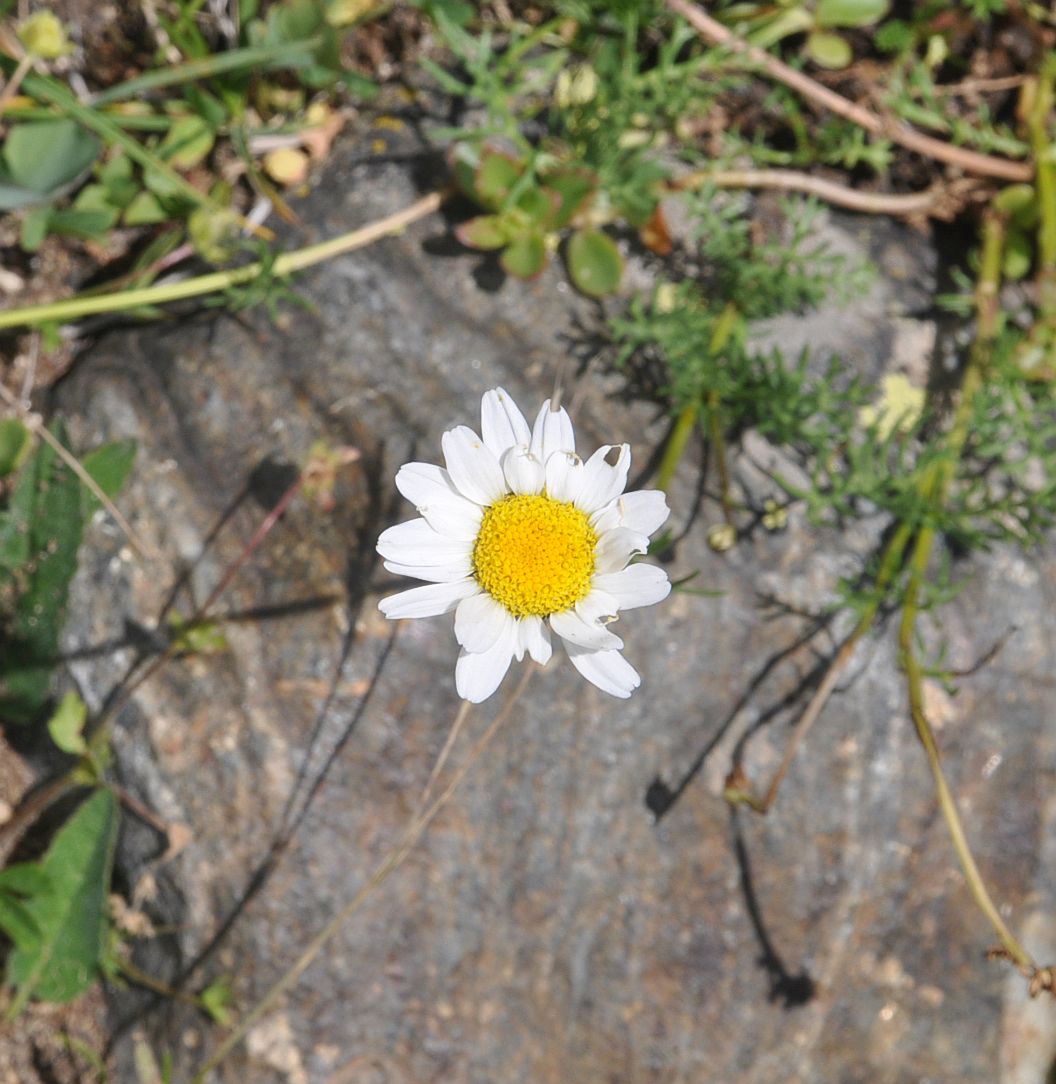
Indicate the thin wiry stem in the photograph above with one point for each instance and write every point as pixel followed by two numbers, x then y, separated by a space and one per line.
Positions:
pixel 983 165
pixel 388 865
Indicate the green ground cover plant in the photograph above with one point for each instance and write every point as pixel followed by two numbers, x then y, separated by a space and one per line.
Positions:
pixel 583 130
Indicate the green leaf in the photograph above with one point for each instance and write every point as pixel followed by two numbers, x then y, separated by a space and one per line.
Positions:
pixel 50 516
pixel 496 175
pixel 145 210
pixel 1019 254
pixel 850 13
pixel 45 156
pixel 24 878
pixel 66 726
pixel 34 228
pixel 215 999
pixel 200 638
pixel 828 50
pixel 78 223
pixel 109 466
pixel 525 256
pixel 96 199
pixel 485 232
pixel 539 206
pixel 17 922
pixel 594 262
pixel 62 961
pixel 15 443
pixel 575 188
pixel 188 141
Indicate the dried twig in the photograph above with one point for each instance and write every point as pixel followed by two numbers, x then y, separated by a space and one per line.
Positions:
pixel 970 161
pixel 936 200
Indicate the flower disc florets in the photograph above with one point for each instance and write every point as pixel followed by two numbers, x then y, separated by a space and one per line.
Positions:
pixel 534 555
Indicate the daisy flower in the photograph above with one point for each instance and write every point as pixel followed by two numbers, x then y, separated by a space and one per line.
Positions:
pixel 522 538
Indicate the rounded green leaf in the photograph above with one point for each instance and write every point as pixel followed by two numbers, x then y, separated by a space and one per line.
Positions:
pixel 1018 255
pixel 828 50
pixel 485 232
pixel 849 13
pixel 66 726
pixel 188 141
pixel 46 156
pixel 525 256
pixel 594 263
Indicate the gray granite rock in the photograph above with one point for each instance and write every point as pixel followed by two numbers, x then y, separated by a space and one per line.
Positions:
pixel 549 928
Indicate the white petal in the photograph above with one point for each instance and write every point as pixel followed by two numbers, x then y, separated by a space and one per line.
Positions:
pixel 430 489
pixel 479 622
pixel 644 510
pixel 603 481
pixel 599 606
pixel 448 572
pixel 477 676
pixel 636 585
pixel 616 548
pixel 416 543
pixel 524 472
pixel 427 601
pixel 552 432
pixel 473 468
pixel 571 627
pixel 502 425
pixel 609 670
pixel 534 637
pixel 564 476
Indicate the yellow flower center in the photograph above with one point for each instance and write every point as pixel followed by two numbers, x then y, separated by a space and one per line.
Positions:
pixel 534 555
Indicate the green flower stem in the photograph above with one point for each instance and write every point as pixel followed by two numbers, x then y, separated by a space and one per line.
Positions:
pixel 718 442
pixel 687 419
pixel 388 865
pixel 987 325
pixel 676 444
pixel 286 264
pixel 1045 182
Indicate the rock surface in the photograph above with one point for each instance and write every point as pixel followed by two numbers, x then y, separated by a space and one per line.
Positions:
pixel 548 928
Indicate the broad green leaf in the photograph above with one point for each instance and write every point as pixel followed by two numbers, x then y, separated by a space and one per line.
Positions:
pixel 850 13
pixel 45 156
pixel 96 199
pixel 66 726
pixel 15 442
pixel 14 198
pixel 24 878
pixel 594 262
pixel 525 256
pixel 109 466
pixel 62 961
pixel 17 922
pixel 496 175
pixel 188 141
pixel 52 521
pixel 829 50
pixel 486 232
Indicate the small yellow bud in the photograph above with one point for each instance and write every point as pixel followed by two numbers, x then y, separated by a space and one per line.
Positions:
pixel 286 165
pixel 722 537
pixel 43 35
pixel 775 518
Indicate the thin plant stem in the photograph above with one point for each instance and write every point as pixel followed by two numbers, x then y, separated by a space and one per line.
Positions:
pixel 12 85
pixel 987 321
pixel 676 444
pixel 449 744
pixel 939 199
pixel 984 165
pixel 718 442
pixel 75 307
pixel 388 865
pixel 890 563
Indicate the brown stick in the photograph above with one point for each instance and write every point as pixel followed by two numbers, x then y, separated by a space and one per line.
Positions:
pixel 984 165
pixel 840 195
